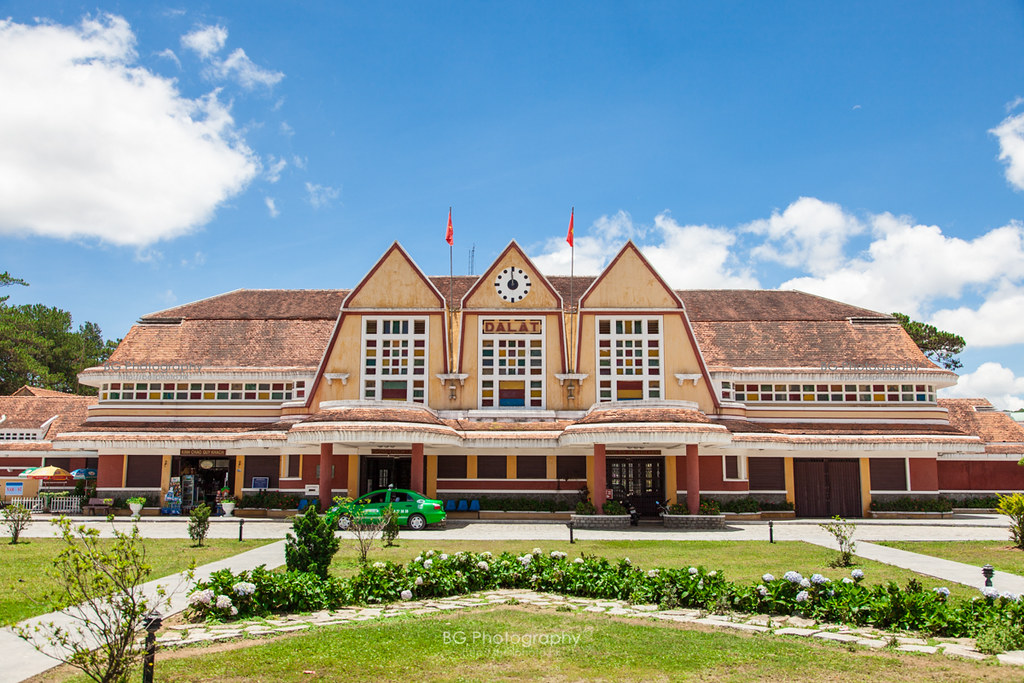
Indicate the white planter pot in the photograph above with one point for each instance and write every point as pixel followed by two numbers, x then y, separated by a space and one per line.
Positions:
pixel 228 508
pixel 136 509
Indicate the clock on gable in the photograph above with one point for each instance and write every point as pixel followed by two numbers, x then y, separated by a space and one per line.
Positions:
pixel 512 284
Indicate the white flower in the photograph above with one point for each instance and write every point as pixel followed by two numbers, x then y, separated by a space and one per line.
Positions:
pixel 234 611
pixel 486 554
pixel 534 578
pixel 526 559
pixel 537 551
pixel 762 591
pixel 818 578
pixel 244 588
pixel 558 555
pixel 203 597
pixel 428 564
pixel 223 602
pixel 482 565
pixel 942 590
pixel 804 583
pixel 700 584
pixel 767 578
pixel 802 596
pixel 458 574
pixel 578 560
pixel 793 577
pixel 378 565
pixel 419 580
pixel 857 574
pixel 430 553
pixel 419 558
pixel 847 579
pixel 651 573
pixel 692 570
pixel 1008 596
pixel 626 560
pixel 444 556
pixel 407 594
pixel 990 592
pixel 712 573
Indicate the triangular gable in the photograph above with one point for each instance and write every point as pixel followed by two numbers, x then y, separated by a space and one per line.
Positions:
pixel 483 294
pixel 395 281
pixel 630 281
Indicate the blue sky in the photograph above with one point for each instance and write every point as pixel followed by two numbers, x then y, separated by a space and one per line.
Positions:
pixel 153 154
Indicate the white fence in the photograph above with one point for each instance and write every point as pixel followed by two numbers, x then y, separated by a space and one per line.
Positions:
pixel 63 505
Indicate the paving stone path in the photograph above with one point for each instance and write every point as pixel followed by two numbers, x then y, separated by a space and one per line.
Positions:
pixel 190 634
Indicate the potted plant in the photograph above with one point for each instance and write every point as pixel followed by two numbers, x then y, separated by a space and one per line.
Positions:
pixel 136 504
pixel 228 504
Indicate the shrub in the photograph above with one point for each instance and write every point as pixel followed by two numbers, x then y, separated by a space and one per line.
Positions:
pixel 614 507
pixel 390 531
pixel 585 507
pixel 528 503
pixel 137 500
pixel 1013 507
pixel 678 509
pixel 269 500
pixel 842 531
pixel 737 505
pixel 709 507
pixel 999 636
pixel 312 547
pixel 984 502
pixel 911 504
pixel 16 519
pixel 199 523
pixel 781 506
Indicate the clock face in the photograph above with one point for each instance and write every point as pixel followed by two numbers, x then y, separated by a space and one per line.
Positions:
pixel 512 284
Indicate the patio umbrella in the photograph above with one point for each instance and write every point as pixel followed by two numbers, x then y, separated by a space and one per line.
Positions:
pixel 84 473
pixel 48 472
pixel 27 471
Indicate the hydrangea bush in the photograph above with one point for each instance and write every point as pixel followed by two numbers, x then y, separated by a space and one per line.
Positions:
pixel 433 574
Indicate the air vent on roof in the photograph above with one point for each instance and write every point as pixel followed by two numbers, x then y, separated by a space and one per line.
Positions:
pixel 879 320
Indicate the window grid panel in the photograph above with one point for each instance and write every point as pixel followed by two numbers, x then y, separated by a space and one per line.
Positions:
pixel 512 369
pixel 233 392
pixel 829 393
pixel 395 359
pixel 629 358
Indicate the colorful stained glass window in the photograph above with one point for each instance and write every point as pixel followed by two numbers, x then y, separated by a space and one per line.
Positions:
pixel 629 358
pixel 512 367
pixel 395 359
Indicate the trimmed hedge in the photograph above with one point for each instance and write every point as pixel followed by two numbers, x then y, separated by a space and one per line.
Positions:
pixel 910 504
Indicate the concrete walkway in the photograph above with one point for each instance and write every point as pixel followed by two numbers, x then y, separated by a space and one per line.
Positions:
pixel 22 660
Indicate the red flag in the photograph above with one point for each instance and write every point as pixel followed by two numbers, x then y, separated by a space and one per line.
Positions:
pixel 449 235
pixel 568 237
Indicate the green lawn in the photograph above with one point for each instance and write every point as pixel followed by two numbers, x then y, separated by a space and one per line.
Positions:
pixel 1000 554
pixel 23 571
pixel 742 561
pixel 468 647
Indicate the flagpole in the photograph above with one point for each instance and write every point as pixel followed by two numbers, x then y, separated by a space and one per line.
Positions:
pixel 451 290
pixel 572 302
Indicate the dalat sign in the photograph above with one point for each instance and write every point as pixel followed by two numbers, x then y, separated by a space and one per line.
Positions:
pixel 512 326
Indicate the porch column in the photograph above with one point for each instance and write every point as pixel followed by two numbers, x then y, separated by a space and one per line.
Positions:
pixel 692 479
pixel 417 468
pixel 326 460
pixel 600 477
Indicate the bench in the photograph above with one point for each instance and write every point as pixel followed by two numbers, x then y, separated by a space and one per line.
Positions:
pixel 97 505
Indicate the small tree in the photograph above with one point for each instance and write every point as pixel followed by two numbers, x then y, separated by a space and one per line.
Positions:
pixel 390 529
pixel 1013 507
pixel 16 519
pixel 364 534
pixel 842 531
pixel 99 586
pixel 199 523
pixel 312 547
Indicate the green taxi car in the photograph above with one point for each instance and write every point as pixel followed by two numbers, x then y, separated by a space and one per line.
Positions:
pixel 414 510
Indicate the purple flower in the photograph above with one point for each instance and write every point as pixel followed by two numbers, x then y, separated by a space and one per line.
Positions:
pixel 762 591
pixel 793 577
pixel 407 594
pixel 802 596
pixel 767 578
pixel 942 591
pixel 857 574
pixel 818 578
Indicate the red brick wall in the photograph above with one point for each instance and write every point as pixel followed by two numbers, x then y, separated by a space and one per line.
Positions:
pixel 712 475
pixel 980 475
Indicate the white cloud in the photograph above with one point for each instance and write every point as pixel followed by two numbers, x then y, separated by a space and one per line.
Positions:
pixel 198 260
pixel 271 207
pixel 92 145
pixel 996 322
pixel 809 234
pixel 169 54
pixel 992 381
pixel 274 168
pixel 206 41
pixel 1011 147
pixel 321 195
pixel 909 266
pixel 685 255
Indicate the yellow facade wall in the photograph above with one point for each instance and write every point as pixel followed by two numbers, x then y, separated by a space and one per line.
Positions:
pixel 486 296
pixel 396 283
pixel 629 282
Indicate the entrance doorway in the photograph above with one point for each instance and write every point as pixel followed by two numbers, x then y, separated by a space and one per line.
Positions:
pixel 380 472
pixel 642 480
pixel 825 488
pixel 202 478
